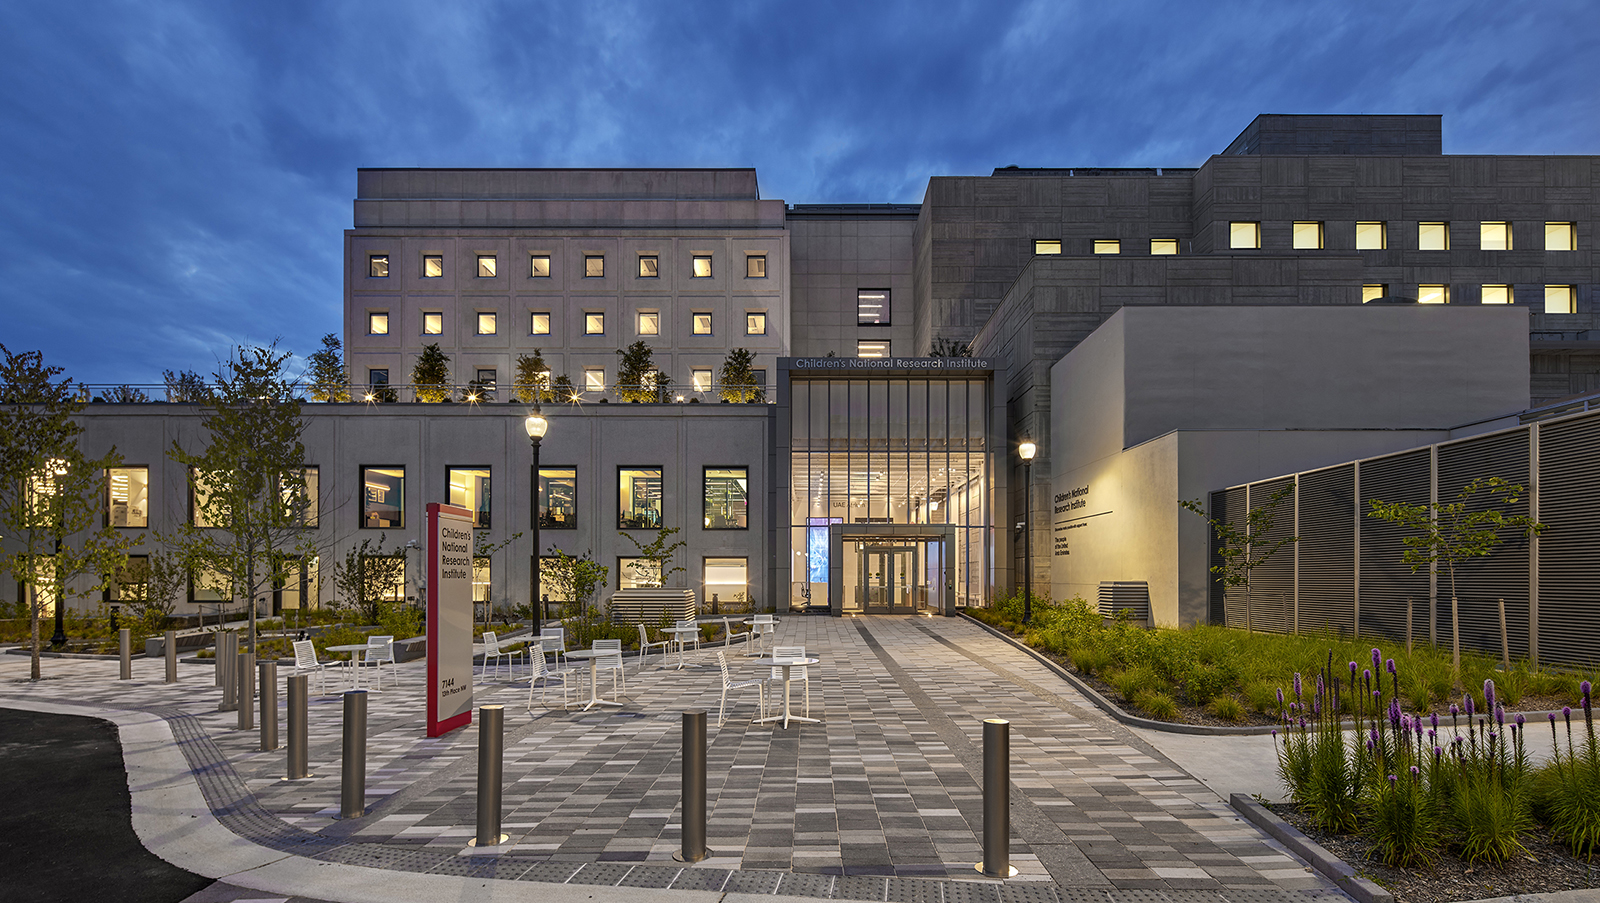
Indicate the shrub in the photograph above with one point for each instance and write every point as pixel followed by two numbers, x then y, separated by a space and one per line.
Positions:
pixel 1132 682
pixel 1091 660
pixel 1262 697
pixel 1401 822
pixel 1156 705
pixel 1228 708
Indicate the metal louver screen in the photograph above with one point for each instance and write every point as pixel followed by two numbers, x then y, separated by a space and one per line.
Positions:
pixel 1569 548
pixel 1326 548
pixel 1480 582
pixel 1272 581
pixel 1233 511
pixel 1131 596
pixel 1387 582
pixel 1217 587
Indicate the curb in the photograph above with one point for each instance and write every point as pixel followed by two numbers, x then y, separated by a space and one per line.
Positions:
pixel 1337 870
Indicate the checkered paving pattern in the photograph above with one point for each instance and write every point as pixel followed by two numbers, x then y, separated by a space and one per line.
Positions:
pixel 882 796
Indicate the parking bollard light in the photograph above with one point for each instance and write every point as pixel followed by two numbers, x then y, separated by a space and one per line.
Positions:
pixel 269 705
pixel 694 787
pixel 169 645
pixel 996 799
pixel 353 779
pixel 245 684
pixel 125 650
pixel 491 759
pixel 299 744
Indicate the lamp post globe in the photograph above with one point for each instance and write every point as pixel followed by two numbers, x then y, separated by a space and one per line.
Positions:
pixel 536 426
pixel 1026 449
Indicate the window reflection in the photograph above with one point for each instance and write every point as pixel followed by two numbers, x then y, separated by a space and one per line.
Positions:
pixel 383 497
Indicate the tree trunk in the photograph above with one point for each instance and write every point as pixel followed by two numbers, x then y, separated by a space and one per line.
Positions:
pixel 33 608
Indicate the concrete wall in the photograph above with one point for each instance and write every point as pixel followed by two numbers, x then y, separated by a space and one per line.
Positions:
pixel 833 252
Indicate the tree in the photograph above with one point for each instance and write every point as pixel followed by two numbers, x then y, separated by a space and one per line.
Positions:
pixel 657 556
pixel 532 383
pixel 252 503
pixel 326 376
pixel 738 378
pixel 575 576
pixel 483 551
pixel 637 377
pixel 1245 550
pixel 50 492
pixel 949 348
pixel 430 378
pixel 124 395
pixel 185 387
pixel 1453 532
pixel 151 584
pixel 368 576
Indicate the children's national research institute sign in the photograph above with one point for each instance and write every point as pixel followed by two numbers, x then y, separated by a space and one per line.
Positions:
pixel 449 618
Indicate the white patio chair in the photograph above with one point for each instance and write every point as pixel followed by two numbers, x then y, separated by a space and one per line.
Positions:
pixel 729 634
pixel 554 641
pixel 796 673
pixel 761 632
pixel 690 639
pixel 305 662
pixel 380 652
pixel 728 683
pixel 612 663
pixel 645 646
pixel 544 675
pixel 492 651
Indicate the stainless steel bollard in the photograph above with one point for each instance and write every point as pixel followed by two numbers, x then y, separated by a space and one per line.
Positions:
pixel 491 758
pixel 170 646
pixel 694 787
pixel 353 780
pixel 299 744
pixel 245 685
pixel 125 649
pixel 216 664
pixel 227 651
pixel 996 799
pixel 269 705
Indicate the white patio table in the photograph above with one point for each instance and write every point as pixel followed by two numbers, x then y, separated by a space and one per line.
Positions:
pixel 786 664
pixel 594 688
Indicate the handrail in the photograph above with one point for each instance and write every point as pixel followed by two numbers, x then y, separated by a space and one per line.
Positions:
pixel 395 393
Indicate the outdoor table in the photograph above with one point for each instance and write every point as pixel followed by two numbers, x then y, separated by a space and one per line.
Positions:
pixel 355 651
pixel 594 692
pixel 754 648
pixel 786 664
pixel 678 633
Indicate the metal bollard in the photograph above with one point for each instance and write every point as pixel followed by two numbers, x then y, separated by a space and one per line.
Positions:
pixel 996 799
pixel 491 758
pixel 216 665
pixel 227 650
pixel 694 787
pixel 125 648
pixel 245 684
pixel 353 781
pixel 170 646
pixel 269 705
pixel 299 754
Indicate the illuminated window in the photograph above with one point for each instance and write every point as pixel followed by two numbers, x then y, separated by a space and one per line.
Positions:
pixel 649 322
pixel 1047 247
pixel 726 498
pixel 594 266
pixel 202 513
pixel 702 323
pixel 727 580
pixel 1497 294
pixel 1433 236
pixel 594 380
pixel 872 307
pixel 1244 235
pixel 1373 292
pixel 1372 236
pixel 1560 237
pixel 480 581
pixel 558 498
pixel 755 324
pixel 639 495
pixel 378 266
pixel 755 266
pixel 1163 246
pixel 309 516
pixel 383 497
pixel 469 488
pixel 1108 246
pixel 432 266
pixel 700 380
pixel 637 573
pixel 1559 299
pixel 1307 236
pixel 872 349
pixel 378 323
pixel 488 322
pixel 128 497
pixel 207 585
pixel 131 581
pixel 538 323
pixel 1494 236
pixel 1433 294
pixel 539 266
pixel 649 266
pixel 432 323
pixel 486 266
pixel 594 324
pixel 702 266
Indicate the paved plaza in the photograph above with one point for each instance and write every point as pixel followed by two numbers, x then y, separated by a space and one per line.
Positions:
pixel 881 801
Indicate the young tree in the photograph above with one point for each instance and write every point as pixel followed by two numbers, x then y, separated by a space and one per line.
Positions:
pixel 50 492
pixel 1244 550
pixel 575 576
pixel 326 377
pixel 1454 532
pixel 532 382
pixel 949 348
pixel 637 377
pixel 185 386
pixel 124 395
pixel 368 576
pixel 430 378
pixel 738 378
pixel 249 482
pixel 657 556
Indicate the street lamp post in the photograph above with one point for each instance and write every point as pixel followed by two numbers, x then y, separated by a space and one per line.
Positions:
pixel 536 427
pixel 1026 450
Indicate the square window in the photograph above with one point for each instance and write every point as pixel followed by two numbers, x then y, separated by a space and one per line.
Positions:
pixel 1433 236
pixel 539 266
pixel 872 307
pixel 1433 294
pixel 639 497
pixel 702 266
pixel 538 323
pixel 1494 236
pixel 487 378
pixel 594 324
pixel 649 323
pixel 378 323
pixel 468 487
pixel 1373 292
pixel 486 266
pixel 432 323
pixel 1107 246
pixel 1244 235
pixel 700 380
pixel 1307 236
pixel 755 324
pixel 432 266
pixel 872 349
pixel 594 266
pixel 378 266
pixel 128 497
pixel 383 497
pixel 594 380
pixel 726 577
pixel 376 378
pixel 558 498
pixel 725 498
pixel 636 573
pixel 1163 246
pixel 1559 299
pixel 755 266
pixel 1560 237
pixel 702 324
pixel 487 322
pixel 1372 236
pixel 1497 294
pixel 649 266
pixel 1047 247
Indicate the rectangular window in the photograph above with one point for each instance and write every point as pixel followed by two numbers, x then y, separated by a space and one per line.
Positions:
pixel 468 488
pixel 726 498
pixel 1494 236
pixel 702 266
pixel 636 573
pixel 727 581
pixel 594 266
pixel 1159 246
pixel 202 513
pixel 872 349
pixel 378 266
pixel 1047 247
pixel 539 266
pixel 128 497
pixel 1433 236
pixel 480 582
pixel 1307 236
pixel 1560 299
pixel 639 497
pixel 488 322
pixel 549 590
pixel 1107 246
pixel 486 266
pixel 649 266
pixel 432 322
pixel 755 266
pixel 755 324
pixel 1374 291
pixel 378 323
pixel 594 324
pixel 700 380
pixel 1244 235
pixel 1433 294
pixel 1560 237
pixel 378 380
pixel 649 322
pixel 701 323
pixel 432 266
pixel 383 497
pixel 594 380
pixel 131 582
pixel 307 503
pixel 1372 236
pixel 206 585
pixel 485 385
pixel 538 323
pixel 872 307
pixel 557 504
pixel 1497 294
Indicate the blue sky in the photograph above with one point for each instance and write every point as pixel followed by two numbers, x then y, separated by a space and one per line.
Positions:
pixel 176 176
